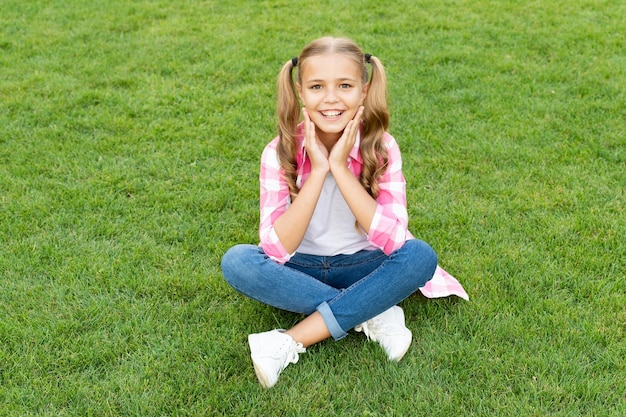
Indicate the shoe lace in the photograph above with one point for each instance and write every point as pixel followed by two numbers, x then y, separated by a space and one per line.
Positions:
pixel 375 328
pixel 289 351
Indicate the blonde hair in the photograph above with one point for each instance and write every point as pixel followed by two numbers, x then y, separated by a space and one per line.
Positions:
pixel 375 118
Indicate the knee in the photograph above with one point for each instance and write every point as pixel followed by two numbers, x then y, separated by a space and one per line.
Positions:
pixel 234 261
pixel 422 253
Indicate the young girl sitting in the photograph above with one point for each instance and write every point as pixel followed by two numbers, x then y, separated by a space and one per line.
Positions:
pixel 334 239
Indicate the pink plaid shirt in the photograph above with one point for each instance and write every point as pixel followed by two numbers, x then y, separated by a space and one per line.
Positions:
pixel 388 230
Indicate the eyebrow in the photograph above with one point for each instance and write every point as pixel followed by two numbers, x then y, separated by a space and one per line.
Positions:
pixel 337 80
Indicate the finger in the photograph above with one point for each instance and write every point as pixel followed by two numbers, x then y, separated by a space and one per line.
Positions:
pixel 357 119
pixel 307 120
pixel 353 124
pixel 309 131
pixel 359 114
pixel 353 127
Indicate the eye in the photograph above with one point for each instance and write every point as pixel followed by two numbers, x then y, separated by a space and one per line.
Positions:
pixel 345 85
pixel 315 87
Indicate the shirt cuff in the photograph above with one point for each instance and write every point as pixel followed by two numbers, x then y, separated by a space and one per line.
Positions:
pixel 273 247
pixel 385 232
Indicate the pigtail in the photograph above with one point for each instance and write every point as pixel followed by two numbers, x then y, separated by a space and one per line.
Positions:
pixel 375 123
pixel 288 117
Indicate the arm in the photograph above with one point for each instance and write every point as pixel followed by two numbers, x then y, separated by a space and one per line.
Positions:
pixel 292 225
pixel 385 220
pixel 274 200
pixel 283 225
pixel 389 228
pixel 362 205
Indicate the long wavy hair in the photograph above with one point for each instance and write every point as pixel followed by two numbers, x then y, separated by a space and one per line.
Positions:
pixel 375 119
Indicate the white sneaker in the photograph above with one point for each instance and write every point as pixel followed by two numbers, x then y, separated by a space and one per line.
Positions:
pixel 389 330
pixel 271 352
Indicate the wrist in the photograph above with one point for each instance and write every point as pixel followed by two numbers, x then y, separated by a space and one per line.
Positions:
pixel 319 171
pixel 338 168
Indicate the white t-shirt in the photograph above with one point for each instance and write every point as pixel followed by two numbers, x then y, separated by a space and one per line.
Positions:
pixel 333 229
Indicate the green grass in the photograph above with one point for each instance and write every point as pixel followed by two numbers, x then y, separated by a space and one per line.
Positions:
pixel 129 145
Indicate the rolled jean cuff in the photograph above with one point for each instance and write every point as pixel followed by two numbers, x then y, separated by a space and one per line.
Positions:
pixel 331 322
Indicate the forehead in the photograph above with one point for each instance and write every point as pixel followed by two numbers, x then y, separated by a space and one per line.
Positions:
pixel 329 67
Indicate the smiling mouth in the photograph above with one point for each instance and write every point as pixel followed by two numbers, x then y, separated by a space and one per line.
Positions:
pixel 331 113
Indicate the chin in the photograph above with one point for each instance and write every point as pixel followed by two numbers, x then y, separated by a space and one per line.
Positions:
pixel 333 129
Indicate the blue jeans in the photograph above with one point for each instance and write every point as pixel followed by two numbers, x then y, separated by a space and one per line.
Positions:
pixel 346 289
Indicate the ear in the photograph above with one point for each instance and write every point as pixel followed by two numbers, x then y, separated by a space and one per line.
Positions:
pixel 366 88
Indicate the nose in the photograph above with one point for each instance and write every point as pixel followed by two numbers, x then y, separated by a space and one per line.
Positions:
pixel 330 96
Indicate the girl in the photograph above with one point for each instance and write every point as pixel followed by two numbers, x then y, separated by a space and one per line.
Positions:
pixel 334 239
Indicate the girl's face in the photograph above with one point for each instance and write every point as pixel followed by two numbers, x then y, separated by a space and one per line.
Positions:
pixel 331 90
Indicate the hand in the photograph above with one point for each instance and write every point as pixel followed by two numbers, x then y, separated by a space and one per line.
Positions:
pixel 317 152
pixel 344 145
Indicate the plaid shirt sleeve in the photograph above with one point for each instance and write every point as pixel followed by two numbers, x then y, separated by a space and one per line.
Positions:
pixel 274 200
pixel 389 227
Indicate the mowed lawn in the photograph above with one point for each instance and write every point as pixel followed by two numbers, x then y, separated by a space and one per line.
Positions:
pixel 130 137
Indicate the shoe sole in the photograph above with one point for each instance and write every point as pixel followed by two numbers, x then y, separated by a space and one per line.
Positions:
pixel 263 380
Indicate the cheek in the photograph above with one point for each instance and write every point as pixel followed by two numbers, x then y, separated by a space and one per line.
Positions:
pixel 308 100
pixel 357 101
